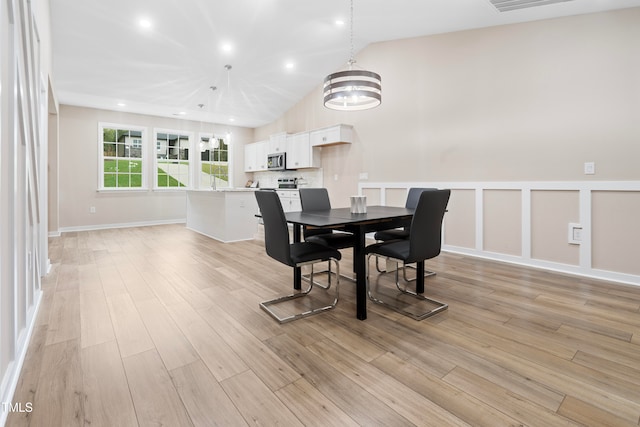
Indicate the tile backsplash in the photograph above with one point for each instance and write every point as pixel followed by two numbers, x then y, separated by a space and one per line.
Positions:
pixel 306 178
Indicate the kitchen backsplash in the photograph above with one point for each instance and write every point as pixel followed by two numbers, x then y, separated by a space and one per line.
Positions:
pixel 306 178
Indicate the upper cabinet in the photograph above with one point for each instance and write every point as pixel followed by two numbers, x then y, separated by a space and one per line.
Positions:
pixel 303 149
pixel 277 143
pixel 300 154
pixel 338 134
pixel 255 156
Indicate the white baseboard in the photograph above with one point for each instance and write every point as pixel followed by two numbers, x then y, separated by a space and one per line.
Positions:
pixel 612 276
pixel 12 374
pixel 121 225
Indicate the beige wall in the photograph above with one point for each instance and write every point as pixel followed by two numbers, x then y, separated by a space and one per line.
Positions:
pixel 525 102
pixel 551 212
pixel 615 225
pixel 502 215
pixel 531 101
pixel 78 171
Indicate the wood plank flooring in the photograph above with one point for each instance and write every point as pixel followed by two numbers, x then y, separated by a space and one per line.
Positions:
pixel 161 326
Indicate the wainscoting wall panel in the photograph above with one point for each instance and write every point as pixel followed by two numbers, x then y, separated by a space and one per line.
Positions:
pixel 528 223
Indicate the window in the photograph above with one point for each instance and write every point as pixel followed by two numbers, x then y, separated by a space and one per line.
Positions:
pixel 172 159
pixel 214 158
pixel 121 160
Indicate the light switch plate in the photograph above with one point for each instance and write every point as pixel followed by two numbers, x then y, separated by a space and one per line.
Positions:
pixel 589 168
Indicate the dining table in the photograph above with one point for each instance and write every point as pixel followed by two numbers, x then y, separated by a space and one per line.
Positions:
pixel 374 219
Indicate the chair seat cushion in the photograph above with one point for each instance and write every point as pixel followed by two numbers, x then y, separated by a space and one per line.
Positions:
pixel 306 251
pixel 335 240
pixel 398 249
pixel 394 234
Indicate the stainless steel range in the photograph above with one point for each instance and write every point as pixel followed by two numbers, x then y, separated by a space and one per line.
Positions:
pixel 288 183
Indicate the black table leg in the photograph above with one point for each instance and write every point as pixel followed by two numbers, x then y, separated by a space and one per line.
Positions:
pixel 420 277
pixel 359 261
pixel 297 271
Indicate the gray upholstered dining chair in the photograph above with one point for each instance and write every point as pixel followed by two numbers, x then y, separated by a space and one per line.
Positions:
pixel 424 242
pixel 297 254
pixel 403 233
pixel 317 199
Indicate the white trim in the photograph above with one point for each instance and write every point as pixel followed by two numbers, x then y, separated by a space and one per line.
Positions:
pixel 121 225
pixel 14 368
pixel 584 188
pixel 585 221
pixel 612 276
pixel 526 219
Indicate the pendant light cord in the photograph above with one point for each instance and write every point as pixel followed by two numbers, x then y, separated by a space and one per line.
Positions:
pixel 351 59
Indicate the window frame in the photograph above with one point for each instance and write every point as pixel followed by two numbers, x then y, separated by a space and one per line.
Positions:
pixel 190 160
pixel 227 140
pixel 144 184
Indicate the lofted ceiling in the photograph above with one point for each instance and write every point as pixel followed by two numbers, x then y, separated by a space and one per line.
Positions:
pixel 104 58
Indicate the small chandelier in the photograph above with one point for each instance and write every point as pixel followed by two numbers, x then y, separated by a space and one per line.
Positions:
pixel 353 89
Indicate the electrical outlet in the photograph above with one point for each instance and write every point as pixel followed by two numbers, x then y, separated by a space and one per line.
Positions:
pixel 589 168
pixel 575 233
pixel 92 209
pixel 363 176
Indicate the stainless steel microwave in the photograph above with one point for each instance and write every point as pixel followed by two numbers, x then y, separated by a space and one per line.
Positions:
pixel 277 161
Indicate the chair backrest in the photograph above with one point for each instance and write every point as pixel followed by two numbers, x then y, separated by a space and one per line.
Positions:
pixel 414 195
pixel 276 231
pixel 315 199
pixel 425 236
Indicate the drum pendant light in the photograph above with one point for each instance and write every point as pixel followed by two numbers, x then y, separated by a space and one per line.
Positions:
pixel 353 89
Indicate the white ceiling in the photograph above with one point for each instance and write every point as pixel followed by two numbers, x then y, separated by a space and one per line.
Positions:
pixel 102 57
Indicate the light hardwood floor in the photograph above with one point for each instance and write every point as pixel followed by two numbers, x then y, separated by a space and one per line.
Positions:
pixel 161 326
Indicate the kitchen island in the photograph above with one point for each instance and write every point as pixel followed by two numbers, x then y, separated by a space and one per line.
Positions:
pixel 227 215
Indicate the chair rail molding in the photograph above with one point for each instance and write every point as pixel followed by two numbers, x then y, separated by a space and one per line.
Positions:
pixel 584 190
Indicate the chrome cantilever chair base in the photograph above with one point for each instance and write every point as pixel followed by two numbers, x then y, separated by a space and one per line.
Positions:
pixel 328 270
pixel 439 306
pixel 265 305
pixel 427 273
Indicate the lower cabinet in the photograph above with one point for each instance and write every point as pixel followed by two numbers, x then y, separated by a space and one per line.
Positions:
pixel 290 200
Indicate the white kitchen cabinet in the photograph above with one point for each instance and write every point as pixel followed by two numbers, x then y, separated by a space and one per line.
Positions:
pixel 338 134
pixel 290 200
pixel 255 156
pixel 277 143
pixel 300 153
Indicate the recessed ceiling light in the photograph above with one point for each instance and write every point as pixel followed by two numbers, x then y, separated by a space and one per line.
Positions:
pixel 289 65
pixel 339 23
pixel 182 113
pixel 121 104
pixel 144 23
pixel 231 119
pixel 227 47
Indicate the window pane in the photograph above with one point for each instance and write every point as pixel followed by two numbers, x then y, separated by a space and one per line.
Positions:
pixel 108 135
pixel 123 180
pixel 121 135
pixel 109 180
pixel 124 166
pixel 163 179
pixel 109 165
pixel 136 180
pixel 109 150
pixel 135 166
